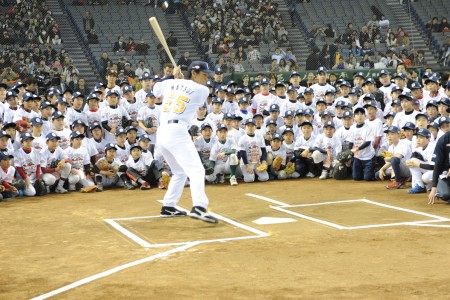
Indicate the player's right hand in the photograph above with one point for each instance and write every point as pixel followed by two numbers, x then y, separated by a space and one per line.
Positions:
pixel 249 169
pixel 432 196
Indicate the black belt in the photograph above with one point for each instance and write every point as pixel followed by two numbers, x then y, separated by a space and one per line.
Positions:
pixel 172 121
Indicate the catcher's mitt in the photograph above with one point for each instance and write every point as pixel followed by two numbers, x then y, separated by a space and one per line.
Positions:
pixel 89 189
pixel 340 172
pixel 385 153
pixel 39 186
pixel 208 169
pixel 276 164
pixel 19 184
pixel 261 167
pixel 22 126
pixel 193 131
pixel 148 122
pixel 103 165
pixel 344 156
pixel 290 168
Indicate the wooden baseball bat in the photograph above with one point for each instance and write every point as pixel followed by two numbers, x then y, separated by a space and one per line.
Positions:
pixel 155 25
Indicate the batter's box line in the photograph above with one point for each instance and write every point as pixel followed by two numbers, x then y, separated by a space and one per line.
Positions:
pixel 114 223
pixel 284 207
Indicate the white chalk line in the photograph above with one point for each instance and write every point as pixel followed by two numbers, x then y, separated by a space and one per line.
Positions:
pixel 113 270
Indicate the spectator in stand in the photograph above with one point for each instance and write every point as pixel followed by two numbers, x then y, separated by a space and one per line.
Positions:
pixel 367 49
pixel 92 37
pixel 253 55
pixel 444 57
pixel 278 55
pixel 237 66
pixel 284 41
pixel 171 40
pixel 364 36
pixel 120 45
pixel 329 31
pixel 131 45
pixel 312 61
pixel 367 62
pixel 341 64
pixel 289 55
pixel 103 64
pixel 444 26
pixel 88 22
pixel 240 54
pixel 292 66
pixel 324 57
pixel 73 83
pixel 405 60
pixel 141 69
pixel 403 39
pixel 373 24
pixel 283 66
pixel 392 42
pixel 82 88
pixel 128 72
pixel 184 61
pixel 142 47
pixel 354 50
pixel 433 25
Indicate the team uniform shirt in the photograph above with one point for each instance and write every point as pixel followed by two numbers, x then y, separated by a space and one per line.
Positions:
pixel 114 118
pixel 290 105
pixel 281 152
pixel 320 90
pixel 428 97
pixel 87 143
pixel 386 89
pixel 236 134
pixel 78 157
pixel 281 102
pixel 93 116
pixel 377 127
pixel 28 161
pixel 115 89
pixel 7 175
pixel 345 136
pixel 296 129
pixel 218 147
pixel 153 113
pixel 404 148
pixel 64 141
pixel 115 164
pixel 260 102
pixel 73 115
pixel 39 143
pixel 426 153
pixel 46 126
pixel 214 120
pixel 252 146
pixel 279 120
pixel 311 105
pixel 8 115
pixel 230 107
pixel 140 97
pixel 133 110
pixel 22 114
pixel 344 99
pixel 100 146
pixel 289 148
pixel 360 135
pixel 47 157
pixel 122 154
pixel 332 144
pixel 139 165
pixel 403 117
pixel 244 114
pixel 337 122
pixel 204 147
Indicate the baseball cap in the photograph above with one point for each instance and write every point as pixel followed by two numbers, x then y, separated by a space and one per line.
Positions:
pixel 27 96
pixel 409 126
pixel 330 91
pixel 95 125
pixel 384 72
pixel 264 81
pixel 354 91
pixel 321 100
pixel 415 85
pixel 255 85
pixel 243 100
pixel 52 136
pixel 110 146
pixel 432 103
pixel 276 136
pixel 230 90
pixel 308 90
pixel 149 94
pixel 393 129
pixel 99 85
pixel 10 94
pixel 347 114
pixel 18 85
pixel 9 125
pixel 135 146
pixel 78 123
pixel 280 83
pixel 390 114
pixel 120 131
pixel 272 89
pixel 358 110
pixel 204 125
pixel 250 120
pixel 112 92
pixel 129 128
pixel 421 114
pixel 325 114
pixel 299 112
pixel 36 121
pixel 300 95
pixel 144 137
pixel 247 91
pixel 258 114
pixel 217 100
pixel 345 83
pixel 26 136
pixel 222 126
pixel 218 70
pixel 127 89
pixel 395 102
pixel 306 123
pixel 239 90
pixel 405 95
pixel 201 66
pixel 396 88
pixel 4 133
pixel 4 156
pixel 76 134
pixel 328 124
pixel 433 124
pixel 209 83
pixel 227 116
pixel 92 96
pixel 322 69
pixel 443 120
pixel 57 115
pixel 368 97
pixel 400 75
pixel 370 104
pixel 432 78
pixel 295 73
pixel 339 103
pixel 308 112
pixel 271 122
pixel 145 75
pixel 274 108
pixel 232 82
pixel 287 130
pixel 359 74
pixel 423 132
pixel 289 113
pixel 111 72
pixel 445 101
pixel 77 94
pixel 368 80
pixel 237 117
pixel 222 88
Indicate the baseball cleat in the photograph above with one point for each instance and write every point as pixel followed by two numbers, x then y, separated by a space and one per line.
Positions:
pixel 60 190
pixel 233 180
pixel 171 212
pixel 201 213
pixel 99 187
pixel 165 179
pixel 128 185
pixel 145 186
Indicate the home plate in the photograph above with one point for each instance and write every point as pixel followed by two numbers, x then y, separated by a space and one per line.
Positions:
pixel 269 220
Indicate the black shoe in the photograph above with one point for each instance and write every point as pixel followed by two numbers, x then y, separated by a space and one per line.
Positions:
pixel 99 187
pixel 128 185
pixel 170 212
pixel 201 213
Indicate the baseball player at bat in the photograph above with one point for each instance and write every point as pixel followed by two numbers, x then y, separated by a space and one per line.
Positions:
pixel 181 99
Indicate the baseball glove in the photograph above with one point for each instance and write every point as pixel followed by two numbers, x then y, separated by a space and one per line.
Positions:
pixel 39 186
pixel 148 122
pixel 261 167
pixel 89 189
pixel 103 165
pixel 193 131
pixel 19 184
pixel 340 172
pixel 290 168
pixel 344 156
pixel 276 164
pixel 22 126
pixel 385 154
pixel 208 169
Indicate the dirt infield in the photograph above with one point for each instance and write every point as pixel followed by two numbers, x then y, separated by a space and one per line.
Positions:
pixel 49 243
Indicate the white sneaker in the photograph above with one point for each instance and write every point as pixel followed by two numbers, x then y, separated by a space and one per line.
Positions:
pixel 324 174
pixel 60 190
pixel 72 187
pixel 233 180
pixel 310 175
